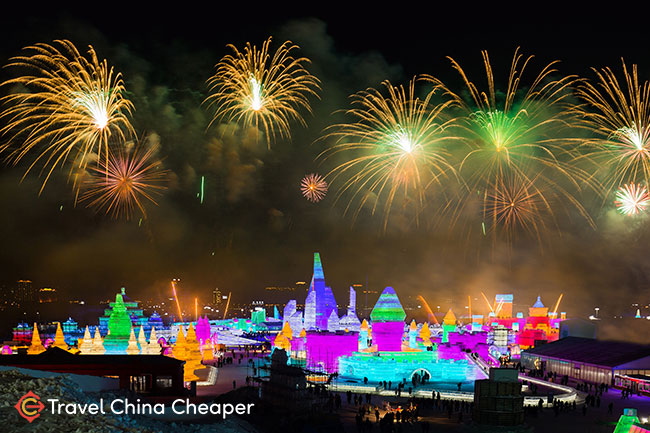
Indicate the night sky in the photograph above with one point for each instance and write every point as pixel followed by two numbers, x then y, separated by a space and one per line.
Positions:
pixel 254 228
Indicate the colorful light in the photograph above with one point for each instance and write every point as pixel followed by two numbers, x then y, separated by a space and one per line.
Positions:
pixel 557 305
pixel 632 199
pixel 324 349
pixel 617 112
pixel 394 147
pixel 388 308
pixel 123 181
pixel 256 95
pixel 518 147
pixel 313 187
pixel 227 305
pixel 397 366
pixel 178 305
pixel 74 105
pixel 431 316
pixel 261 90
pixel 119 328
pixel 487 302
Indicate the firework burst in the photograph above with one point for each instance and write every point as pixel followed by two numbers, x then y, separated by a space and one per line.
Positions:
pixel 517 204
pixel 394 148
pixel 519 134
pixel 313 187
pixel 124 181
pixel 632 199
pixel 619 115
pixel 262 90
pixel 71 107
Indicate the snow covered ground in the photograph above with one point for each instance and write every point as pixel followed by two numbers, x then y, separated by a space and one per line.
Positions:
pixel 15 384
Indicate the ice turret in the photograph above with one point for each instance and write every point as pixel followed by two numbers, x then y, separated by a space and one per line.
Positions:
pixel 388 322
pixel 36 346
pixel 86 345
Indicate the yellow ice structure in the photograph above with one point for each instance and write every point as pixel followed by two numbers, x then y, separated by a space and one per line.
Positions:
pixel 538 309
pixel 59 339
pixel 86 344
pixel 152 348
pixel 282 342
pixel 450 318
pixel 364 325
pixel 142 340
pixel 208 351
pixel 287 331
pixel 36 346
pixel 192 355
pixel 178 351
pixel 425 334
pixel 132 348
pixel 98 343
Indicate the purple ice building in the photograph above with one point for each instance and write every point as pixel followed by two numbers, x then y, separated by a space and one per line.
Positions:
pixel 327 336
pixel 321 311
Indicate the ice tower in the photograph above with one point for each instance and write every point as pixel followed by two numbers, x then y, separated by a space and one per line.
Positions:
pixel 203 330
pixel 310 309
pixel 289 309
pixel 333 322
pixel 325 302
pixel 448 325
pixel 390 360
pixel 292 316
pixel 350 321
pixel 388 322
pixel 413 333
pixel 37 346
pixel 119 328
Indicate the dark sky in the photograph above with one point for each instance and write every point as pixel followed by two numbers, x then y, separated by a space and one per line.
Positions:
pixel 254 228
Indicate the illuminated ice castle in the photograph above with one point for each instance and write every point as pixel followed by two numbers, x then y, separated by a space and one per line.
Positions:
pixel 322 341
pixel 321 312
pixel 134 312
pixel 119 327
pixel 392 358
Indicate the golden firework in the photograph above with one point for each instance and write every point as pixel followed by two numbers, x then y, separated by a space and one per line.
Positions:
pixel 520 133
pixel 517 204
pixel 261 90
pixel 69 106
pixel 394 147
pixel 313 187
pixel 124 181
pixel 618 113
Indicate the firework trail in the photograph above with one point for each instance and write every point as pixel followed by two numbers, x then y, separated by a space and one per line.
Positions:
pixel 518 204
pixel 313 187
pixel 262 90
pixel 393 148
pixel 618 114
pixel 124 181
pixel 71 106
pixel 518 144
